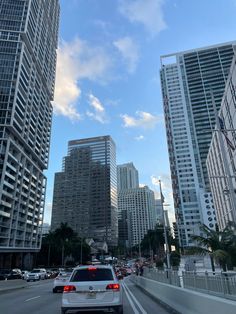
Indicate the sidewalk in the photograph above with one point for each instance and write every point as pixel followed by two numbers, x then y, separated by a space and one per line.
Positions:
pixel 6 285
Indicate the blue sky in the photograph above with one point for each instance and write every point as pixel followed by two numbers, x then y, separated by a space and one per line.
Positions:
pixel 108 75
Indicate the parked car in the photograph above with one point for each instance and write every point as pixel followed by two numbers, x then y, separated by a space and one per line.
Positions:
pixel 60 281
pixel 36 274
pixel 94 288
pixel 24 274
pixel 10 274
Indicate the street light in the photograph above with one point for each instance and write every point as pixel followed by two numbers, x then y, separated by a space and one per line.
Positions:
pixel 165 231
pixel 81 250
pixel 63 251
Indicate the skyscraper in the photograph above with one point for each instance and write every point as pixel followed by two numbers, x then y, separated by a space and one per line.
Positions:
pixel 139 206
pixel 85 192
pixel 221 160
pixel 127 176
pixel 28 42
pixel 187 79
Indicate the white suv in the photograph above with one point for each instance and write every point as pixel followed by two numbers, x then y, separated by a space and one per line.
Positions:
pixel 36 274
pixel 92 288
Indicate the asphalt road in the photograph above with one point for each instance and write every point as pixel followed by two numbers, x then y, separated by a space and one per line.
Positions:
pixel 37 298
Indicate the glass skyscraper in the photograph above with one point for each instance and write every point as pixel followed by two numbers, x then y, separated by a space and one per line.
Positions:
pixel 85 192
pixel 28 42
pixel 188 79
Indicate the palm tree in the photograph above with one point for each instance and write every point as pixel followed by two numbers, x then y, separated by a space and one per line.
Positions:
pixel 64 234
pixel 49 240
pixel 153 240
pixel 216 243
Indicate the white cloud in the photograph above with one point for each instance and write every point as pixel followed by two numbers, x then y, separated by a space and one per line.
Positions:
pixel 129 50
pixel 99 113
pixel 77 60
pixel 165 181
pixel 147 12
pixel 139 138
pixel 145 120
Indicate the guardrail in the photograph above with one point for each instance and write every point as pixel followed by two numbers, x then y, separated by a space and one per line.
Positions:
pixel 218 284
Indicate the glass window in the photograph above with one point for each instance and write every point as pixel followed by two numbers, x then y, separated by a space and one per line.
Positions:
pixel 92 274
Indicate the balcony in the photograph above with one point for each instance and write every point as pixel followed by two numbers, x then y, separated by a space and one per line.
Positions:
pixel 5 224
pixel 4 235
pixel 4 203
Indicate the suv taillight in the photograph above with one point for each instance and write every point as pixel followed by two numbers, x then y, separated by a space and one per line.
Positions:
pixel 113 286
pixel 69 288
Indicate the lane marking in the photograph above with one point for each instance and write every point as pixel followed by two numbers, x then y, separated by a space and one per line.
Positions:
pixel 33 298
pixel 135 300
pixel 130 301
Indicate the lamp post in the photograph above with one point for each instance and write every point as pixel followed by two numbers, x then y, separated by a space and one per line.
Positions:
pixel 81 250
pixel 63 251
pixel 165 230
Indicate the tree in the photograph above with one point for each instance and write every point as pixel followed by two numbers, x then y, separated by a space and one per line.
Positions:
pixel 218 244
pixel 49 240
pixel 154 240
pixel 64 234
pixel 58 244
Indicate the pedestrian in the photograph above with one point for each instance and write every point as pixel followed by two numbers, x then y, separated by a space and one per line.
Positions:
pixel 141 270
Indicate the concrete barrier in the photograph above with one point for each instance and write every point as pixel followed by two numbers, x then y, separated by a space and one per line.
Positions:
pixel 185 301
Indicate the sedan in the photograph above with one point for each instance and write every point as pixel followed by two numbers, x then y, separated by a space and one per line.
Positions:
pixel 60 281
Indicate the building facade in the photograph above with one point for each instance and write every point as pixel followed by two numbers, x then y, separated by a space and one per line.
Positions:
pixel 187 79
pixel 85 192
pixel 139 206
pixel 28 43
pixel 127 177
pixel 221 160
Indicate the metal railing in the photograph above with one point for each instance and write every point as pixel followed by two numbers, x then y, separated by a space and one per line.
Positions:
pixel 218 284
pixel 170 277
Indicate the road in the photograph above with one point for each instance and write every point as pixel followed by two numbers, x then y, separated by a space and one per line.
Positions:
pixel 37 298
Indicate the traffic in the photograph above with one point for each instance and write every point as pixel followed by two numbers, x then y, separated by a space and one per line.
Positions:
pixel 87 288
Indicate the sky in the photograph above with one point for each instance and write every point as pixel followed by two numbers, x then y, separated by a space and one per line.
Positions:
pixel 107 80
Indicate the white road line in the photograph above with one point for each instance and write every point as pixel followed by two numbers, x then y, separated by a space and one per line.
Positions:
pixel 130 301
pixel 32 298
pixel 135 300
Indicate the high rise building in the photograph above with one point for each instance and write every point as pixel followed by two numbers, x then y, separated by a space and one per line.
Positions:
pixel 221 160
pixel 140 208
pixel 187 79
pixel 127 176
pixel 28 42
pixel 159 211
pixel 85 192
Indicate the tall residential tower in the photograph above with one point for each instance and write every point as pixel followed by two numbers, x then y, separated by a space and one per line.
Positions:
pixel 188 79
pixel 221 160
pixel 28 43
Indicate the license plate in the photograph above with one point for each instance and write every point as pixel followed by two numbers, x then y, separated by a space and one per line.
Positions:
pixel 91 295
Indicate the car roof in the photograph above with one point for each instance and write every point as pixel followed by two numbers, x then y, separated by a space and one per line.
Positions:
pixel 94 266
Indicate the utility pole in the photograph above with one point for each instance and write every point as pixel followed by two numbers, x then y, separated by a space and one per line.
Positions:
pixel 165 231
pixel 81 250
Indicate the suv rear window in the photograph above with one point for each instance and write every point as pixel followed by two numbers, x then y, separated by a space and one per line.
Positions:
pixel 95 274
